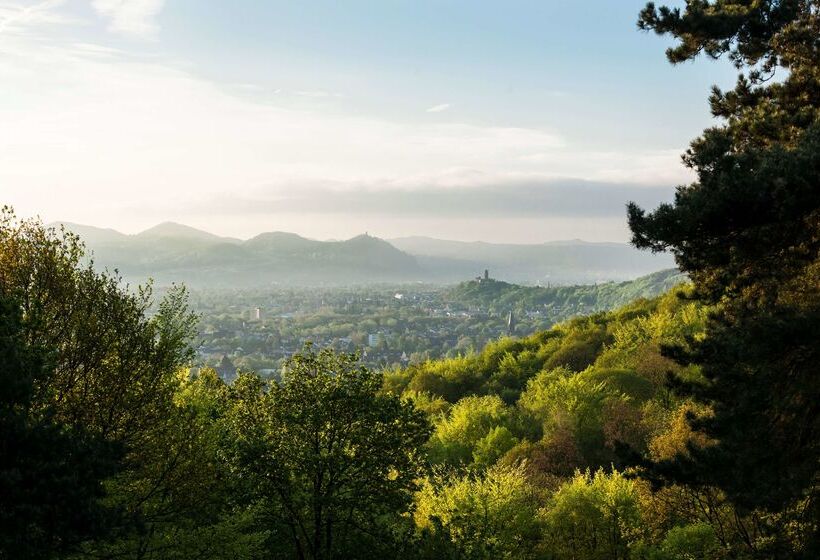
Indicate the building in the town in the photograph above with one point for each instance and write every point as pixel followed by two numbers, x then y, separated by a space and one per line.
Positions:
pixel 226 370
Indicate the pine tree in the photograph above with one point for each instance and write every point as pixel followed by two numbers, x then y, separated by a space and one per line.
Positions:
pixel 748 234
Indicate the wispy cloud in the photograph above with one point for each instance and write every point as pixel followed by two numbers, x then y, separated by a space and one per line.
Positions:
pixel 88 132
pixel 464 205
pixel 16 17
pixel 438 108
pixel 495 196
pixel 131 17
pixel 317 94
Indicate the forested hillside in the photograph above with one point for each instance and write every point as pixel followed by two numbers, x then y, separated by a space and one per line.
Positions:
pixel 686 426
pixel 562 301
pixel 532 448
pixel 535 440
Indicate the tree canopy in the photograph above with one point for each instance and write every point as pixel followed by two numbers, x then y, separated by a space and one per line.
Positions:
pixel 748 233
pixel 334 458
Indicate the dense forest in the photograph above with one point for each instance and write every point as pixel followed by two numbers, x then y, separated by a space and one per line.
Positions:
pixel 535 447
pixel 684 426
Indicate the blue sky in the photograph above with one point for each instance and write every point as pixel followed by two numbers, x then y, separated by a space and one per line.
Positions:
pixel 249 116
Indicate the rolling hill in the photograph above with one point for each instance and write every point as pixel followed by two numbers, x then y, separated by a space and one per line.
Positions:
pixel 171 252
pixel 564 301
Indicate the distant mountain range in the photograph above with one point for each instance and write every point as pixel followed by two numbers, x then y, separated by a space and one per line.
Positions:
pixel 554 262
pixel 173 252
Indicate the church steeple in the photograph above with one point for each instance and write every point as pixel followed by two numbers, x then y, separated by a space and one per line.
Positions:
pixel 511 323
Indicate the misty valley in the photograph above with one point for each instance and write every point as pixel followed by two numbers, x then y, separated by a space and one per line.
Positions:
pixel 392 326
pixel 453 280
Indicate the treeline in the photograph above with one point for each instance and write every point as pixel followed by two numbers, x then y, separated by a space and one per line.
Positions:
pixel 109 449
pixel 540 447
pixel 676 428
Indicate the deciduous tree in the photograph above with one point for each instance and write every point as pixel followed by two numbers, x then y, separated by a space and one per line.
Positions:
pixel 335 459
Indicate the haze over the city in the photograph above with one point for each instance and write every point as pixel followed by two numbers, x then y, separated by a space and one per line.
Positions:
pixel 409 279
pixel 506 122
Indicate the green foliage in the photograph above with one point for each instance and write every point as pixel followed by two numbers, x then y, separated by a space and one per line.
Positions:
pixel 430 405
pixel 469 429
pixel 583 416
pixel 449 379
pixel 102 396
pixel 512 373
pixel 622 381
pixel 333 459
pixel 113 368
pixel 186 504
pixel 502 367
pixel 491 515
pixel 592 516
pixel 50 474
pixel 573 404
pixel 628 339
pixel 691 542
pixel 565 420
pixel 563 302
pixel 108 449
pixel 580 345
pixel 491 447
pixel 746 232
pixel 236 535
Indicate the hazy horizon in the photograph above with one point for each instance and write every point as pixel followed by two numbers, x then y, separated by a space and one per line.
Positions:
pixel 466 122
pixel 138 231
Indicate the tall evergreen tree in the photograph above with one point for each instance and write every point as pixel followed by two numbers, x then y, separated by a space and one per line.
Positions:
pixel 748 233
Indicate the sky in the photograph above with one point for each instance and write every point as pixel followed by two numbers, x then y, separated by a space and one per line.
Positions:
pixel 514 121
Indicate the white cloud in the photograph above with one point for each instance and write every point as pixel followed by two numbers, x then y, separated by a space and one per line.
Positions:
pixel 131 17
pixel 317 94
pixel 19 18
pixel 89 134
pixel 438 108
